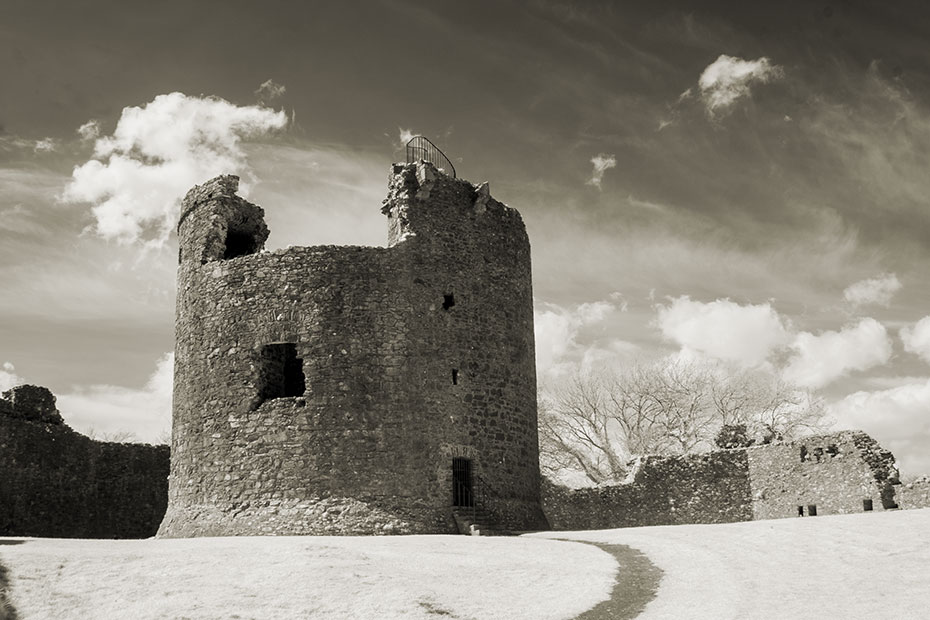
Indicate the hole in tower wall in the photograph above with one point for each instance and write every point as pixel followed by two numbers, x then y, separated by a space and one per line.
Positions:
pixel 239 244
pixel 281 372
pixel 448 300
pixel 455 376
pixel 812 510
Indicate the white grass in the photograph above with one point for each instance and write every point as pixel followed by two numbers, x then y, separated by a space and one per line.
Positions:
pixel 869 565
pixel 307 577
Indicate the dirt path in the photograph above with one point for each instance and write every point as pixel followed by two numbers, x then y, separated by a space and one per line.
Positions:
pixel 848 566
pixel 637 583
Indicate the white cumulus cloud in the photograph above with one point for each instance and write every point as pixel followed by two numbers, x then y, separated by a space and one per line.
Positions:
pixel 898 417
pixel 602 163
pixel 559 329
pixel 916 338
pixel 821 359
pixel 111 409
pixel 723 329
pixel 877 291
pixel 8 377
pixel 728 79
pixel 156 153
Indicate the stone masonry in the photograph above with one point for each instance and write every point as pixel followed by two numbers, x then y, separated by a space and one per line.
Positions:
pixel 840 473
pixel 56 482
pixel 327 390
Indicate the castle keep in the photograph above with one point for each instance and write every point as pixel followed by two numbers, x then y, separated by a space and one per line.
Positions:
pixel 353 390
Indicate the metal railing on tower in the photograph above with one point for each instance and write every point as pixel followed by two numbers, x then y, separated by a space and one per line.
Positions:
pixel 420 148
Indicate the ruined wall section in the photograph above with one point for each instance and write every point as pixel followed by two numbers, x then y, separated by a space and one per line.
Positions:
pixel 368 446
pixel 664 490
pixel 914 494
pixel 835 473
pixel 55 482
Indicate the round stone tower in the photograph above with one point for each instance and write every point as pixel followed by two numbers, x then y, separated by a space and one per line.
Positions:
pixel 353 390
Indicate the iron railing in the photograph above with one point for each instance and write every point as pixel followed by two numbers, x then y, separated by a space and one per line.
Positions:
pixel 420 148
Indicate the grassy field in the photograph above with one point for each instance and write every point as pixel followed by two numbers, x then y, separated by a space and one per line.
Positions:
pixel 868 565
pixel 865 565
pixel 305 577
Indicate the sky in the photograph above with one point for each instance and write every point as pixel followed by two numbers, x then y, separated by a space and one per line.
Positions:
pixel 744 184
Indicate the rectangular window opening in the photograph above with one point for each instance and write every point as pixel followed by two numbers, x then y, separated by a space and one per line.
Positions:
pixel 282 373
pixel 455 376
pixel 867 505
pixel 239 244
pixel 812 510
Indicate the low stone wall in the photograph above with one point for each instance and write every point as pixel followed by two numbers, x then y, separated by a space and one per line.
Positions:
pixel 914 494
pixel 55 482
pixel 838 473
pixel 664 490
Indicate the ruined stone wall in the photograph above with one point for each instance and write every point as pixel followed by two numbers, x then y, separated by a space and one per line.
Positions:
pixel 664 490
pixel 914 494
pixel 412 355
pixel 837 473
pixel 56 482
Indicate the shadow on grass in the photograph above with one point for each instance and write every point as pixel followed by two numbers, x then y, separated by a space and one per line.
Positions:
pixel 637 583
pixel 7 611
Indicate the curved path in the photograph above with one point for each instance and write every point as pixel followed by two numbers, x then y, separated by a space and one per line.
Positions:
pixel 636 584
pixel 847 566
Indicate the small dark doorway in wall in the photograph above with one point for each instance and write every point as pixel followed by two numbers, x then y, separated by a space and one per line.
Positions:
pixel 282 372
pixel 812 510
pixel 238 244
pixel 461 482
pixel 800 511
pixel 867 505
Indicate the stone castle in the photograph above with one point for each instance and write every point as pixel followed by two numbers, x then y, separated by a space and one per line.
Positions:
pixel 363 390
pixel 354 390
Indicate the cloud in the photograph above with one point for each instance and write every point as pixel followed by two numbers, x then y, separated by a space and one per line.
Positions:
pixel 877 291
pixel 89 130
pixel 8 377
pixel 819 360
pixel 729 79
pixel 723 329
pixel 156 153
pixel 405 136
pixel 269 91
pixel 45 145
pixel 916 338
pixel 602 163
pixel 559 346
pixel 112 409
pixel 897 417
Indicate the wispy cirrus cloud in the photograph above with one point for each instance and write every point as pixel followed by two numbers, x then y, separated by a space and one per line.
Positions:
pixel 156 153
pixel 602 163
pixel 269 91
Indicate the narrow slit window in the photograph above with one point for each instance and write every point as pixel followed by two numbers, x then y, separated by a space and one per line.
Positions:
pixel 448 301
pixel 455 376
pixel 281 372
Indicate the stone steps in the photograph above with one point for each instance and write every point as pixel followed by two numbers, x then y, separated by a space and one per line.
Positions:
pixel 477 522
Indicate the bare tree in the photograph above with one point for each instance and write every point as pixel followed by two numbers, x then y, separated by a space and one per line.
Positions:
pixel 596 423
